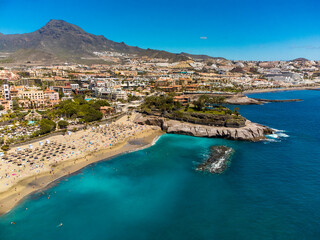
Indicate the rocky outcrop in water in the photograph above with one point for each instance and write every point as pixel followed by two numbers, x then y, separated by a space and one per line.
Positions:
pixel 250 132
pixel 277 101
pixel 217 161
pixel 242 100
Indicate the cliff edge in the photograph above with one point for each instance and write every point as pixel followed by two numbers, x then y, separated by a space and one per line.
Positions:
pixel 250 132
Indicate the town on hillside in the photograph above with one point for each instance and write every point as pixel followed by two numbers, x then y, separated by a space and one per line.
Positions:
pixel 38 99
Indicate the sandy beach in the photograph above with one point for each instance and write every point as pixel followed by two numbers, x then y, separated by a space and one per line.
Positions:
pixel 280 89
pixel 29 169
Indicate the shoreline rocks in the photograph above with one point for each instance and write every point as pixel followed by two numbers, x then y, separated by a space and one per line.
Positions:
pixel 244 100
pixel 218 160
pixel 277 101
pixel 250 132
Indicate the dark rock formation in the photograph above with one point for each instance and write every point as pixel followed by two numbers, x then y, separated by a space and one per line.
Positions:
pixel 217 161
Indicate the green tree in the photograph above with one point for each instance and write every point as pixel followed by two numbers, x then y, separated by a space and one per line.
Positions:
pixel 61 94
pixel 133 98
pixel 99 103
pixel 63 124
pixel 79 108
pixel 46 126
pixel 92 115
pixel 160 103
pixel 15 104
pixel 198 104
pixel 5 147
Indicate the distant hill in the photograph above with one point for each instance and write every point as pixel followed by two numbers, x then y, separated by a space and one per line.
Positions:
pixel 62 41
pixel 299 60
pixel 200 57
pixel 163 54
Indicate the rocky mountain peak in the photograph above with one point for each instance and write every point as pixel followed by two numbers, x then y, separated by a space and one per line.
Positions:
pixel 64 41
pixel 60 26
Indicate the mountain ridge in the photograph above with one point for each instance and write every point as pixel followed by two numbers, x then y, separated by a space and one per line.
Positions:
pixel 60 40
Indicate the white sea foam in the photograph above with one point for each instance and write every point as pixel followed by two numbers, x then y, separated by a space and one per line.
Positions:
pixel 154 141
pixel 276 136
pixel 273 136
pixel 277 130
pixel 283 135
pixel 267 141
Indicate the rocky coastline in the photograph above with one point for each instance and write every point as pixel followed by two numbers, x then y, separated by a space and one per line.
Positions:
pixel 277 101
pixel 250 132
pixel 244 100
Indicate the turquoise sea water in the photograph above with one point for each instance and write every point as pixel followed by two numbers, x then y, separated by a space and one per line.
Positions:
pixel 270 191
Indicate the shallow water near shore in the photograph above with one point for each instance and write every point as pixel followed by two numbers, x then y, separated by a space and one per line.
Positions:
pixel 271 190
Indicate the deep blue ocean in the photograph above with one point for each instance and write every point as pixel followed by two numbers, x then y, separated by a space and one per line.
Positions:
pixel 271 189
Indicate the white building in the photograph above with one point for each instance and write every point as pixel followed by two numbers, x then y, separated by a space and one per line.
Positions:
pixel 6 92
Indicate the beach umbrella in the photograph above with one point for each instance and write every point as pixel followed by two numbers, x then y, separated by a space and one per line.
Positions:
pixel 30 146
pixel 18 149
pixel 47 141
pixel 40 143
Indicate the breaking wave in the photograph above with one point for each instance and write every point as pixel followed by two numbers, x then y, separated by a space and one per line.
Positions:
pixel 276 136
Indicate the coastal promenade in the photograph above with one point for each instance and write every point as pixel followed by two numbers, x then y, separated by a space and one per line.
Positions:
pixel 30 168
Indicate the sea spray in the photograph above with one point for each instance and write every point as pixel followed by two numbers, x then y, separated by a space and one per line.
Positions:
pixel 218 160
pixel 276 135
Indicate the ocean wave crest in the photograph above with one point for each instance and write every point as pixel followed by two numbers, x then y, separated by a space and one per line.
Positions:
pixel 276 136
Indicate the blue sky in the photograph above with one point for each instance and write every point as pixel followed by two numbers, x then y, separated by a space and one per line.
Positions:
pixel 235 29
